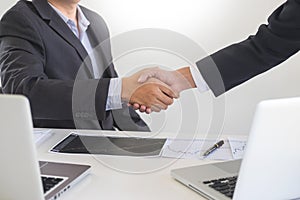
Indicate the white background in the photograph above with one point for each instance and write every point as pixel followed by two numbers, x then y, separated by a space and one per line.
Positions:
pixel 213 24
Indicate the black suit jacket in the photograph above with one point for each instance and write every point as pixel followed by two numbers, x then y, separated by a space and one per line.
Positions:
pixel 42 59
pixel 272 44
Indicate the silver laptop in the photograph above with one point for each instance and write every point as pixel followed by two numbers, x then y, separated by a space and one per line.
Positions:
pixel 270 168
pixel 21 175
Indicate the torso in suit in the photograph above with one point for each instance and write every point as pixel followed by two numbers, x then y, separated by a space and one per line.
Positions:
pixel 41 58
pixel 272 44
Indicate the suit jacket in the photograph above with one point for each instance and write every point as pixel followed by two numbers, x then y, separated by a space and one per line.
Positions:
pixel 42 59
pixel 272 44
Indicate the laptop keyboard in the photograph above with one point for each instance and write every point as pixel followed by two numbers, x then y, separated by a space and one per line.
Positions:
pixel 224 185
pixel 50 182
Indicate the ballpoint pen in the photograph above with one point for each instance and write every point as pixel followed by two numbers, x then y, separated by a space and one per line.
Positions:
pixel 213 148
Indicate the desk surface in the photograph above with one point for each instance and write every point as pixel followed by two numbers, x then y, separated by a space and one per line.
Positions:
pixel 123 178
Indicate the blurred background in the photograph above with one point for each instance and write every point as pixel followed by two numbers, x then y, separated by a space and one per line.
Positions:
pixel 212 24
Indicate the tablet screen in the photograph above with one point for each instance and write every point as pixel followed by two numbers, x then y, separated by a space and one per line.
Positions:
pixel 121 146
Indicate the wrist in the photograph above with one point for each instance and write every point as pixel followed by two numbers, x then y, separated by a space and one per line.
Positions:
pixel 187 75
pixel 125 93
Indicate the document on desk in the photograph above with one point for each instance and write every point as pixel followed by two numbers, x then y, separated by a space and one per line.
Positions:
pixel 238 146
pixel 106 145
pixel 194 149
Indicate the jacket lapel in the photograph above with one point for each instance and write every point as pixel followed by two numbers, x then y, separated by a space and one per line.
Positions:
pixel 62 29
pixel 103 49
pixel 101 45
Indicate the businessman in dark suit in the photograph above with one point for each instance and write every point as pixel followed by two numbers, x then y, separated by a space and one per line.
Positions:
pixel 235 64
pixel 57 53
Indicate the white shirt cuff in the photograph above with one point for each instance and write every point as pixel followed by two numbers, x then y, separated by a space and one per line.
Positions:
pixel 113 101
pixel 198 79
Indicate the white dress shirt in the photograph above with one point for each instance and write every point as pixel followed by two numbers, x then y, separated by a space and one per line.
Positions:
pixel 198 79
pixel 114 92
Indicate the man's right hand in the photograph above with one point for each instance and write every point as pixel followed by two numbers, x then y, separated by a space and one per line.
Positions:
pixel 178 81
pixel 153 94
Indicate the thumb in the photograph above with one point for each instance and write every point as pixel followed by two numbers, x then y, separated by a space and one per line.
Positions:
pixel 149 73
pixel 145 76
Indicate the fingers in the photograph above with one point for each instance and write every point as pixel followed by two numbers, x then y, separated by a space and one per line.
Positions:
pixel 143 108
pixel 143 78
pixel 149 73
pixel 165 88
pixel 136 106
pixel 169 92
pixel 148 110
pixel 165 100
pixel 162 101
pixel 156 107
pixel 152 97
pixel 159 106
pixel 146 74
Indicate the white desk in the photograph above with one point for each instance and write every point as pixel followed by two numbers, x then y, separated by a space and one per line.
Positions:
pixel 104 182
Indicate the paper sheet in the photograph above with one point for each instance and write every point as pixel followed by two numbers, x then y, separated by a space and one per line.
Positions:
pixel 233 148
pixel 238 146
pixel 194 149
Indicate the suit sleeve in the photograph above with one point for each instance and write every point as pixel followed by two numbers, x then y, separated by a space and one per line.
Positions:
pixel 22 62
pixel 270 46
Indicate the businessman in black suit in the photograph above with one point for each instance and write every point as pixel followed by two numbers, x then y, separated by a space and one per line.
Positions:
pixel 235 64
pixel 57 53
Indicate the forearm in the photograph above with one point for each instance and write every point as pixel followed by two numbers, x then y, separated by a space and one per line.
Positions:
pixel 22 73
pixel 272 44
pixel 62 100
pixel 187 75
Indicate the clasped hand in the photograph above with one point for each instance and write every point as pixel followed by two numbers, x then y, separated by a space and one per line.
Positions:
pixel 154 89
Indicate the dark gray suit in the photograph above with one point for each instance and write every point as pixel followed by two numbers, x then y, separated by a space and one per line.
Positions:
pixel 272 44
pixel 41 57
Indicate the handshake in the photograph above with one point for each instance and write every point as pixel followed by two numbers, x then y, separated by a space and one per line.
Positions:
pixel 154 89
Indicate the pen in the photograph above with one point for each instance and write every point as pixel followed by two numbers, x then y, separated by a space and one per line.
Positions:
pixel 211 149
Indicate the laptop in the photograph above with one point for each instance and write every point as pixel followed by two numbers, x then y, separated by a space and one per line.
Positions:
pixel 270 168
pixel 22 176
